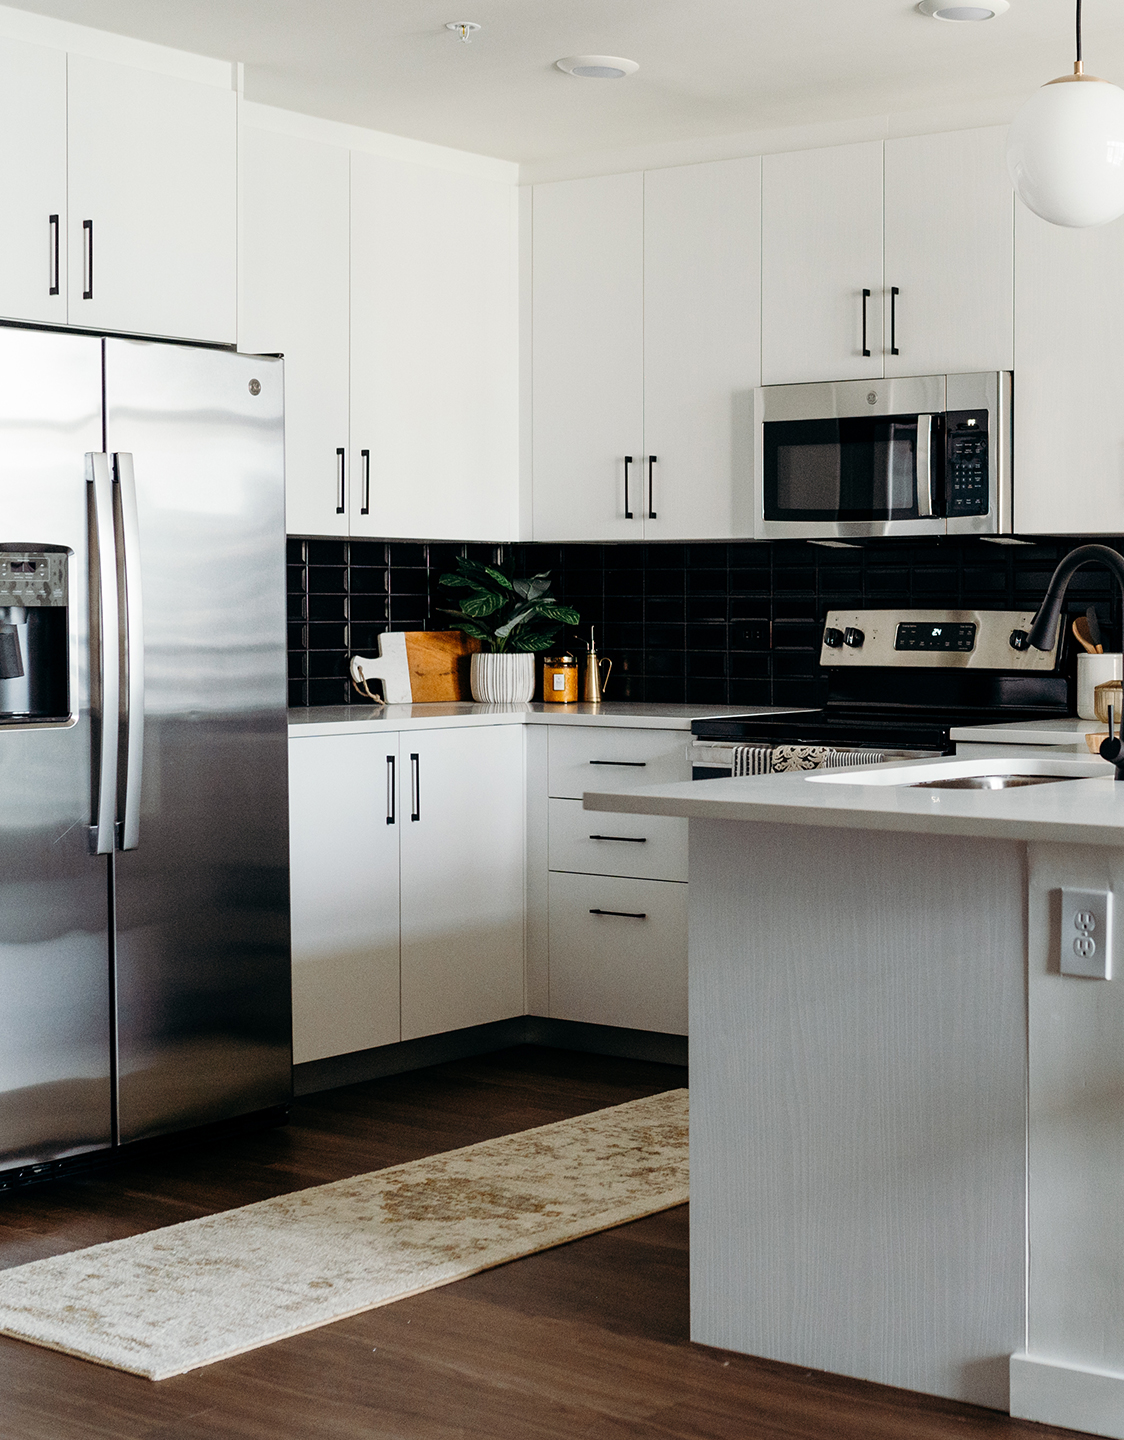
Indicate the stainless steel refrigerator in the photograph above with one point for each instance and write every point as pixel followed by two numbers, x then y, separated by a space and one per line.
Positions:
pixel 144 922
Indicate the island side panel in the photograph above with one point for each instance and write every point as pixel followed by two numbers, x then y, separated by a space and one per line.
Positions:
pixel 858 1102
pixel 1073 1371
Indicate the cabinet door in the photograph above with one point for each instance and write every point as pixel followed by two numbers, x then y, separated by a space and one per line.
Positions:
pixel 462 878
pixel 588 358
pixel 950 252
pixel 344 893
pixel 1069 377
pixel 153 195
pixel 293 300
pixel 702 355
pixel 618 952
pixel 33 183
pixel 434 353
pixel 821 246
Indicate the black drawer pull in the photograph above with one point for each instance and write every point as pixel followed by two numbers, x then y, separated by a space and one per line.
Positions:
pixel 623 839
pixel 638 763
pixel 624 914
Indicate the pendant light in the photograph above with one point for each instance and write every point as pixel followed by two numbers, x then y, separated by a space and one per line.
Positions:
pixel 1065 149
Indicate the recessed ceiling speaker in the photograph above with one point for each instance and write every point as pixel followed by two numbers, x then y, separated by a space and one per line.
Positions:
pixel 942 10
pixel 598 67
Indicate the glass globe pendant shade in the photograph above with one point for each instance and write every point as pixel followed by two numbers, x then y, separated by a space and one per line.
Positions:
pixel 1065 151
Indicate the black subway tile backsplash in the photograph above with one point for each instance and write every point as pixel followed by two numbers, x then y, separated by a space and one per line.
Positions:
pixel 712 623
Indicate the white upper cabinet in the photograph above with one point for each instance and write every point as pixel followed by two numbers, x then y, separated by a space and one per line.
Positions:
pixel 33 182
pixel 294 300
pixel 434 353
pixel 152 204
pixel 821 264
pixel 588 359
pixel 702 268
pixel 1069 378
pixel 949 254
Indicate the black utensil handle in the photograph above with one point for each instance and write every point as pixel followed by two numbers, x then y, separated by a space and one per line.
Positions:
pixel 866 297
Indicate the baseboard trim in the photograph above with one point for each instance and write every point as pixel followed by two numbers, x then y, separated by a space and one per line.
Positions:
pixel 1070 1396
pixel 314 1076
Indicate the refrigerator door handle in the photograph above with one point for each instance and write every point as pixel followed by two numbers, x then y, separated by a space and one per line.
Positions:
pixel 132 632
pixel 105 638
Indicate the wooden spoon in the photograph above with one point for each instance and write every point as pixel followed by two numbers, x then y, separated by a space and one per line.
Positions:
pixel 1084 639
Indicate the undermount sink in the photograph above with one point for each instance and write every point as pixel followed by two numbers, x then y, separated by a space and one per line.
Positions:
pixel 986 782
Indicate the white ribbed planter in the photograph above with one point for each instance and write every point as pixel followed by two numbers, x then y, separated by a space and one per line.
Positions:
pixel 505 679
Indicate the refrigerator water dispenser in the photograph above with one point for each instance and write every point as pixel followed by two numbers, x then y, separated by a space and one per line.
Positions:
pixel 34 663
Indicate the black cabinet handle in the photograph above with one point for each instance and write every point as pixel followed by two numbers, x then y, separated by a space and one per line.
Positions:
pixel 365 457
pixel 651 513
pixel 627 512
pixel 639 764
pixel 391 807
pixel 624 914
pixel 623 839
pixel 866 297
pixel 53 238
pixel 87 259
pixel 894 292
pixel 340 481
pixel 415 787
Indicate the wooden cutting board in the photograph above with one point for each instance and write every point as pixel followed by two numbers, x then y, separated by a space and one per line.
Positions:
pixel 439 661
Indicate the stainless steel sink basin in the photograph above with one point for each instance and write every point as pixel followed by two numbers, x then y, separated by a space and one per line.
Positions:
pixel 986 782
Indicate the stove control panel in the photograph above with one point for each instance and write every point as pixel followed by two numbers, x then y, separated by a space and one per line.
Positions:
pixel 975 639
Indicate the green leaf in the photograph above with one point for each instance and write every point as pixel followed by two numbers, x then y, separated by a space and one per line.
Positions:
pixel 564 614
pixel 533 640
pixel 482 604
pixel 517 619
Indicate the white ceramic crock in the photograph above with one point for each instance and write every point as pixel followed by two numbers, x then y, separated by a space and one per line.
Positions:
pixel 1093 670
pixel 507 678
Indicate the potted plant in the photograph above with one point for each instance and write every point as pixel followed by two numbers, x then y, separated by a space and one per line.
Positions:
pixel 513 619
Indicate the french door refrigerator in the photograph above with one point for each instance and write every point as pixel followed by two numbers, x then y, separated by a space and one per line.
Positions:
pixel 144 925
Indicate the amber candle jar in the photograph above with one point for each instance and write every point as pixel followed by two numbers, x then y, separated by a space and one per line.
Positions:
pixel 560 679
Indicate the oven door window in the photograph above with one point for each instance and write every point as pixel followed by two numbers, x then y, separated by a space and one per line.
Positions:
pixel 862 468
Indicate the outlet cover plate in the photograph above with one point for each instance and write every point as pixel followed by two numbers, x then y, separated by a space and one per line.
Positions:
pixel 1086 942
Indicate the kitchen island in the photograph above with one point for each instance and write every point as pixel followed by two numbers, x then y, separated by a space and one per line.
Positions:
pixel 897 1097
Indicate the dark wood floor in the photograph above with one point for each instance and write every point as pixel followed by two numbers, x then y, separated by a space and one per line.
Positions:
pixel 588 1340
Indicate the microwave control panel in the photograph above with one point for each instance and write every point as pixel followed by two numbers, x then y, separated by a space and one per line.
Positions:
pixel 967 487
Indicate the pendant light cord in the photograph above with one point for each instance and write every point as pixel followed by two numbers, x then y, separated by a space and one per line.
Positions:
pixel 1078 36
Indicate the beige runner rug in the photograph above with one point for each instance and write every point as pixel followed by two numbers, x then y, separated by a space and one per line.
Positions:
pixel 171 1300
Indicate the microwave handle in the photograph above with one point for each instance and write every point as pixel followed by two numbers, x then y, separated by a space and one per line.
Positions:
pixel 924 467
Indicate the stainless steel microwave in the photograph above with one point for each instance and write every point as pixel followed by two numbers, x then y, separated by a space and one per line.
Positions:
pixel 919 455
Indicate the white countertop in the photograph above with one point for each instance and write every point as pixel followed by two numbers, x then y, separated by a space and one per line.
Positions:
pixel 1067 731
pixel 335 719
pixel 1087 811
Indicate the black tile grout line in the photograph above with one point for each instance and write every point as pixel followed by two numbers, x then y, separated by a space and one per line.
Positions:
pixel 709 622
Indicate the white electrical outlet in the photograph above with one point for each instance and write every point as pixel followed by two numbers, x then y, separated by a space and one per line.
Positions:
pixel 1087 933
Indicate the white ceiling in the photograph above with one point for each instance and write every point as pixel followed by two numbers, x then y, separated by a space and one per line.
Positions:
pixel 707 67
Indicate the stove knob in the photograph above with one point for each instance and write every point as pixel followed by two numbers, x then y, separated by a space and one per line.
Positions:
pixel 833 638
pixel 1019 640
pixel 853 637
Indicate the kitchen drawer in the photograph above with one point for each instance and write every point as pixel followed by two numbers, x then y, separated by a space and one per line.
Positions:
pixel 648 847
pixel 616 969
pixel 600 758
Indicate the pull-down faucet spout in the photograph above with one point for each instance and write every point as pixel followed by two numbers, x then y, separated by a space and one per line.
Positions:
pixel 1044 627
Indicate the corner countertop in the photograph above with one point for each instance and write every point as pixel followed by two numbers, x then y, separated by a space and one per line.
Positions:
pixel 356 719
pixel 1069 730
pixel 1082 811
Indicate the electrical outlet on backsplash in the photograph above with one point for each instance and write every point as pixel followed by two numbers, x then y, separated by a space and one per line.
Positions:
pixel 709 623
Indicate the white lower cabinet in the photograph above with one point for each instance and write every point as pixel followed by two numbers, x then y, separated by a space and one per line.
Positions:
pixel 343 859
pixel 406 862
pixel 618 952
pixel 462 877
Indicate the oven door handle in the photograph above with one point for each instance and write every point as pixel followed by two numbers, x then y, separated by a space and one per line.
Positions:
pixel 924 467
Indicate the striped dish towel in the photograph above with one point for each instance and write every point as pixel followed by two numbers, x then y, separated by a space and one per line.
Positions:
pixel 769 760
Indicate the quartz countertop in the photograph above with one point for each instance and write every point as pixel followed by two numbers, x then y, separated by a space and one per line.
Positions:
pixel 1068 730
pixel 336 719
pixel 1086 811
